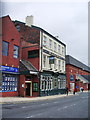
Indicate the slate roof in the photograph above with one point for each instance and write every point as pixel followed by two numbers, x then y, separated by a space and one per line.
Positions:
pixel 39 28
pixel 72 61
pixel 87 77
pixel 27 66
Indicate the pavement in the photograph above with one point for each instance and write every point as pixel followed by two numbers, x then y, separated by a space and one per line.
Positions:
pixel 7 100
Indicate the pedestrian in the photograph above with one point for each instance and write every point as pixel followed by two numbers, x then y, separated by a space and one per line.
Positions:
pixel 74 91
pixel 82 89
pixel 67 90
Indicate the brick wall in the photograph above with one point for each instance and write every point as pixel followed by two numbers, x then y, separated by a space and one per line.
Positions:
pixel 11 35
pixel 71 70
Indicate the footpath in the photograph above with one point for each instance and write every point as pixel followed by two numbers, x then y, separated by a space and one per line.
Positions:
pixel 8 100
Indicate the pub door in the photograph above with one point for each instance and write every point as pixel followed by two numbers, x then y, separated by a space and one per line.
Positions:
pixel 28 89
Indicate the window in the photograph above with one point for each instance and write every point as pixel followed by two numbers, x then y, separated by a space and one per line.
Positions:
pixel 50 43
pixel 44 40
pixel 59 64
pixel 44 60
pixel 63 51
pixel 55 63
pixel 59 49
pixel 5 48
pixel 16 51
pixel 62 65
pixel 9 83
pixel 18 27
pixel 54 46
pixel 35 87
pixel 33 54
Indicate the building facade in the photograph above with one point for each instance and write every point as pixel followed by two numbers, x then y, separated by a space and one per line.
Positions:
pixel 9 67
pixel 47 54
pixel 77 74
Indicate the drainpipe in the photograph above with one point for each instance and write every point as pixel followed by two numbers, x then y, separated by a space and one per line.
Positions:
pixel 41 47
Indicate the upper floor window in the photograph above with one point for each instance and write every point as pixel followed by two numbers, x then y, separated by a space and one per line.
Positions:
pixel 63 51
pixel 33 54
pixel 50 43
pixel 5 48
pixel 63 65
pixel 18 27
pixel 59 49
pixel 55 46
pixel 59 64
pixel 16 51
pixel 44 60
pixel 44 40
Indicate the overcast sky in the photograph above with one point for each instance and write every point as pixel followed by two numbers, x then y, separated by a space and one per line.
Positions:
pixel 68 20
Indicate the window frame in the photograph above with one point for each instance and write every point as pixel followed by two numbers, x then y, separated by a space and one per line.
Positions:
pixel 5 48
pixel 15 55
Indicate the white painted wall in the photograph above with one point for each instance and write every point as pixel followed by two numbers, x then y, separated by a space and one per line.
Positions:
pixel 59 54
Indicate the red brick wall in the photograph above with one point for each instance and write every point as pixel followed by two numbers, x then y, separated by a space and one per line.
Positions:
pixel 28 33
pixel 11 35
pixel 34 61
pixel 9 94
pixel 22 89
pixel 71 70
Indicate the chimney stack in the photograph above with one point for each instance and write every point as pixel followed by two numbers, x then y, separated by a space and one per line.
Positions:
pixel 29 20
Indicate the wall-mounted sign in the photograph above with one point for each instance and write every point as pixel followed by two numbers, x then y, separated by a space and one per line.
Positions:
pixel 9 69
pixel 51 60
pixel 32 72
pixel 71 78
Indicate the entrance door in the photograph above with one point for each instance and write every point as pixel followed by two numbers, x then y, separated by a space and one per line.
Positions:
pixel 27 89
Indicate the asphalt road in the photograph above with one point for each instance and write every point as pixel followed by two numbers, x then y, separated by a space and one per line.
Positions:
pixel 68 107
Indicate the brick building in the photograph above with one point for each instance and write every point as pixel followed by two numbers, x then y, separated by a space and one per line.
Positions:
pixel 10 42
pixel 77 74
pixel 46 54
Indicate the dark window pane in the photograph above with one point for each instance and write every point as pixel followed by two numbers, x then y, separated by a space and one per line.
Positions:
pixel 16 51
pixel 35 87
pixel 5 48
pixel 33 54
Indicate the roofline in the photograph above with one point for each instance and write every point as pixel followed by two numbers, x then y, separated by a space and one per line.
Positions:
pixel 5 16
pixel 48 34
pixel 78 61
pixel 78 67
pixel 39 28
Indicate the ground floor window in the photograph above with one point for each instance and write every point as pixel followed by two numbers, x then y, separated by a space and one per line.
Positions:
pixel 9 82
pixel 46 83
pixel 35 87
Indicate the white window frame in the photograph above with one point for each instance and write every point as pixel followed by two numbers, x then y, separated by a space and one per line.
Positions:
pixel 44 61
pixel 50 43
pixel 59 49
pixel 55 46
pixel 44 40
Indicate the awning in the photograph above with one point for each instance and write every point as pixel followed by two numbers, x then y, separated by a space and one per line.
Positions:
pixel 81 78
pixel 27 68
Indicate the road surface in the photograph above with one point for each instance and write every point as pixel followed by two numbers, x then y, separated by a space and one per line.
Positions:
pixel 75 106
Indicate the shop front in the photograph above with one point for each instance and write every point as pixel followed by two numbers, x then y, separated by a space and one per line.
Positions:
pixel 10 77
pixel 29 80
pixel 52 83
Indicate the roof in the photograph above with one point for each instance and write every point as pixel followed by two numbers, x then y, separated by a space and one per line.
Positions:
pixel 26 66
pixel 82 78
pixel 48 34
pixel 87 77
pixel 72 61
pixel 40 29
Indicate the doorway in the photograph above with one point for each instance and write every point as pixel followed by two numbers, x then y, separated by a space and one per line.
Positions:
pixel 27 89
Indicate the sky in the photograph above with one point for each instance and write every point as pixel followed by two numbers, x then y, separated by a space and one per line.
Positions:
pixel 67 19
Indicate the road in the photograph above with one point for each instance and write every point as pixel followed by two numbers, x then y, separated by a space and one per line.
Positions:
pixel 75 106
